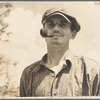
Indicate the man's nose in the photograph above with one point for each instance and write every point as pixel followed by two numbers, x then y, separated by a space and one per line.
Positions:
pixel 56 29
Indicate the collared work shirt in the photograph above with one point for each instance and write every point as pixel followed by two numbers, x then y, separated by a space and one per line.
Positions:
pixel 79 77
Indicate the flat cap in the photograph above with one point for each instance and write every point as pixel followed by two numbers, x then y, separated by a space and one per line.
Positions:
pixel 63 13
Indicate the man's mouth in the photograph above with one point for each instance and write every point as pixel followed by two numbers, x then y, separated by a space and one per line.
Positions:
pixel 56 35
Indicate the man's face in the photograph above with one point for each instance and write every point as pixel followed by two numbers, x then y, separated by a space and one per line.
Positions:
pixel 59 28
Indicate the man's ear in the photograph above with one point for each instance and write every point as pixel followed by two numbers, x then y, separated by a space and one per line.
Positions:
pixel 74 32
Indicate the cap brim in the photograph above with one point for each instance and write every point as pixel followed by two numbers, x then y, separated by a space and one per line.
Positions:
pixel 57 13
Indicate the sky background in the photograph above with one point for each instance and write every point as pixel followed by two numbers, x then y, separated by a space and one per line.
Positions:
pixel 27 46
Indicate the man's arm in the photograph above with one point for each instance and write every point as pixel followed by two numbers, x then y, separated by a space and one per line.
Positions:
pixel 98 92
pixel 25 81
pixel 22 87
pixel 92 71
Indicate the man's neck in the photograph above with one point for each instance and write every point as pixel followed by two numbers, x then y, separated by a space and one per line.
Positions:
pixel 55 54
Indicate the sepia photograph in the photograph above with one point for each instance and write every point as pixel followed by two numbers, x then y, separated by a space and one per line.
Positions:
pixel 49 49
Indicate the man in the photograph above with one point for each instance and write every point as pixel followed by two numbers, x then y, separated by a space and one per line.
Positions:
pixel 59 72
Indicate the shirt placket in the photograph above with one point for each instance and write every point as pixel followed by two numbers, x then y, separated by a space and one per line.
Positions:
pixel 54 89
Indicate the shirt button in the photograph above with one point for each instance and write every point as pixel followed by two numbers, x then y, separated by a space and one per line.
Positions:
pixel 55 94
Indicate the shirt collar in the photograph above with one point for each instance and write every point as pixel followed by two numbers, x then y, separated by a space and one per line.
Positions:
pixel 44 59
pixel 67 56
pixel 67 59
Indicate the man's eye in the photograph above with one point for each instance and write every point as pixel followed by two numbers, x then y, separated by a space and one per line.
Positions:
pixel 63 25
pixel 50 25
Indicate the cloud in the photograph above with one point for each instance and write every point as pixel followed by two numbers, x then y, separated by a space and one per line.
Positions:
pixel 25 27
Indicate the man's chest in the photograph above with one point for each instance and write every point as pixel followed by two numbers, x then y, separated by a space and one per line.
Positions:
pixel 66 83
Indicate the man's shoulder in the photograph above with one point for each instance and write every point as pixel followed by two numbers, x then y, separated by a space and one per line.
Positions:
pixel 90 64
pixel 31 68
